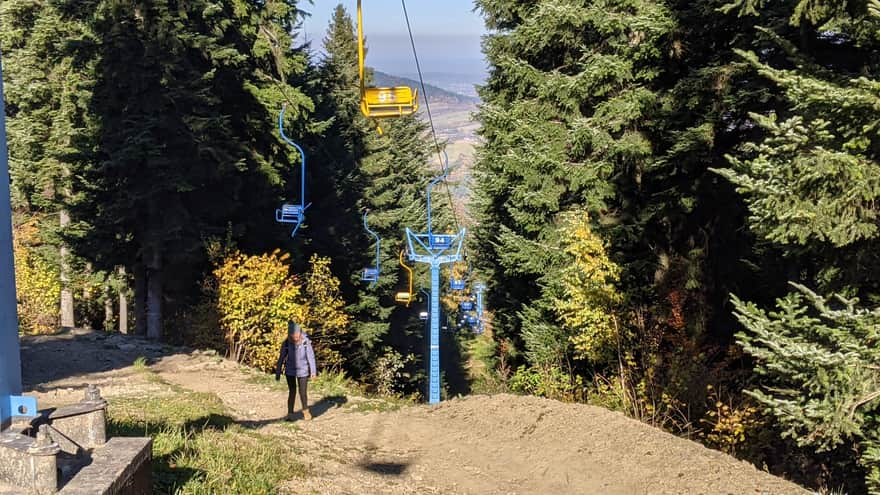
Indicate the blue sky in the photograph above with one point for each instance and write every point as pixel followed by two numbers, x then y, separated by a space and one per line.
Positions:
pixel 447 34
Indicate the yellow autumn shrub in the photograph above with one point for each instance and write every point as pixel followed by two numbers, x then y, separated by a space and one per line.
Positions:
pixel 37 282
pixel 256 297
pixel 726 425
pixel 589 296
pixel 325 319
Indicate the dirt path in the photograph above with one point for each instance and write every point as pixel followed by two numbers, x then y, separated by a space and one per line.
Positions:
pixel 500 444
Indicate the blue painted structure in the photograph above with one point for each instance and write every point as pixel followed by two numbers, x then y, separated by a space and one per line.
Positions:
pixel 479 289
pixel 293 213
pixel 371 274
pixel 434 250
pixel 11 403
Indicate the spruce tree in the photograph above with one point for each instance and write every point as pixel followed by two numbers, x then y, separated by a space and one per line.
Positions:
pixel 811 187
pixel 565 119
pixel 50 127
pixel 186 101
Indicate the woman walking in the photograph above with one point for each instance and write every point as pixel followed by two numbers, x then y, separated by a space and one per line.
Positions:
pixel 298 360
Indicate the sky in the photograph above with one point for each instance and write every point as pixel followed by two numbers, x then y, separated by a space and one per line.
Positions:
pixel 447 34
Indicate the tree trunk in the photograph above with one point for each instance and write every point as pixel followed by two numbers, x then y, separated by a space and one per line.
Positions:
pixel 123 302
pixel 86 303
pixel 140 299
pixel 108 306
pixel 154 294
pixel 67 320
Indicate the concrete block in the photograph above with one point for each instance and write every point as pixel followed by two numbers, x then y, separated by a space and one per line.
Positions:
pixel 121 467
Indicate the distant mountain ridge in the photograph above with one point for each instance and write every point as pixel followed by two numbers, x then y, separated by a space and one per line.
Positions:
pixel 435 93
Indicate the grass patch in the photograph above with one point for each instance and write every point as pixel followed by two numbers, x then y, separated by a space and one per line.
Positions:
pixel 326 384
pixel 140 366
pixel 198 449
pixel 265 379
pixel 335 384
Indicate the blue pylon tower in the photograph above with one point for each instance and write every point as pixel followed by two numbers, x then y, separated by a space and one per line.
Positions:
pixel 479 289
pixel 12 404
pixel 434 250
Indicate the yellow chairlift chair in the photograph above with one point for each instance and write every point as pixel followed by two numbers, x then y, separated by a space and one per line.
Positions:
pixel 405 297
pixel 378 102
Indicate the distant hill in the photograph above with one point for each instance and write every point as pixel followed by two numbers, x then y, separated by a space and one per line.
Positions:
pixel 435 93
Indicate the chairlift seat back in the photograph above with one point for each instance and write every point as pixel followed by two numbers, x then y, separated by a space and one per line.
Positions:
pixel 289 214
pixel 457 284
pixel 398 101
pixel 370 275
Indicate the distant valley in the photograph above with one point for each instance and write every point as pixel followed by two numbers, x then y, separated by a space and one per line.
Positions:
pixel 453 114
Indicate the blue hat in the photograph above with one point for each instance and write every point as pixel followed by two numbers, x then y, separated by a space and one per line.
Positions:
pixel 293 328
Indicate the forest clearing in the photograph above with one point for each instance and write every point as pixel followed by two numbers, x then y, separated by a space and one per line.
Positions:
pixel 645 258
pixel 498 445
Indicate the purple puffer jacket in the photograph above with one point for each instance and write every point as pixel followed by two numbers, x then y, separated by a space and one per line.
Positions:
pixel 298 359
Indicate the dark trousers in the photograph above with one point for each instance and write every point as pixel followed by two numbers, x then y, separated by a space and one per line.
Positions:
pixel 292 383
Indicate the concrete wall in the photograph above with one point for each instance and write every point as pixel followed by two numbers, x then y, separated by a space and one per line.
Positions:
pixel 10 360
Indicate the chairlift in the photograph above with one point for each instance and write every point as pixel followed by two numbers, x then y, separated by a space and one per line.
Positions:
pixel 371 274
pixel 423 315
pixel 457 284
pixel 293 213
pixel 466 306
pixel 405 297
pixel 382 102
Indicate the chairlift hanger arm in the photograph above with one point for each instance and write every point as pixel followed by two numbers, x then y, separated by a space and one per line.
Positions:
pixel 293 213
pixel 372 274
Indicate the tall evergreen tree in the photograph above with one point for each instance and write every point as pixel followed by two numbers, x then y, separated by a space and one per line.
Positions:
pixel 186 99
pixel 49 124
pixel 812 186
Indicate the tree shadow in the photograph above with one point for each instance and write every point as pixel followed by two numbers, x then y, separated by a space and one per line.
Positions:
pixel 384 467
pixel 317 409
pixel 167 475
pixel 75 353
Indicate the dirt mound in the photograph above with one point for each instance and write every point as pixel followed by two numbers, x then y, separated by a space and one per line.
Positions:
pixel 501 444
pixel 513 444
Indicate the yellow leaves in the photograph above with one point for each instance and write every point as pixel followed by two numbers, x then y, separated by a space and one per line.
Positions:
pixel 257 296
pixel 725 426
pixel 326 319
pixel 589 297
pixel 37 283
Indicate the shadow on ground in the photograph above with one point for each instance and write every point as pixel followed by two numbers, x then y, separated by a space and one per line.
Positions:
pixel 167 474
pixel 369 461
pixel 79 352
pixel 317 409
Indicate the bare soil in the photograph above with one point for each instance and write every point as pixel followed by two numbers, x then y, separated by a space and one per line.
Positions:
pixel 500 444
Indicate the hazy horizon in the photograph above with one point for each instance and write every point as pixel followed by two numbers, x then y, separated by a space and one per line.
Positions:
pixel 448 38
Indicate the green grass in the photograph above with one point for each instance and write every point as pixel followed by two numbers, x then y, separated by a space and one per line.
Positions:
pixel 198 448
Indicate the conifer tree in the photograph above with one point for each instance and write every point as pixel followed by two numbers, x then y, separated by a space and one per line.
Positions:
pixel 49 121
pixel 811 185
pixel 565 119
pixel 186 101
